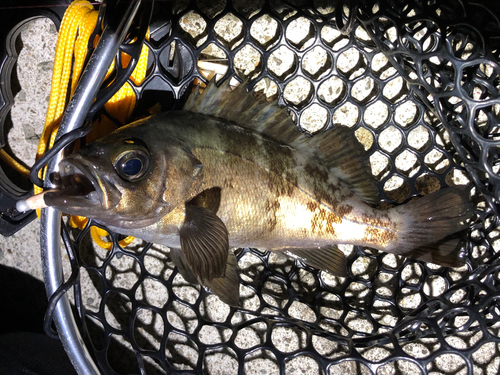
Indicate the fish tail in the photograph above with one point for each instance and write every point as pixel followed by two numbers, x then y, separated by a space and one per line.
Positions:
pixel 428 227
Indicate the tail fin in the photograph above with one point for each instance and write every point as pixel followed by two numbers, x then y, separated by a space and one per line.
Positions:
pixel 427 225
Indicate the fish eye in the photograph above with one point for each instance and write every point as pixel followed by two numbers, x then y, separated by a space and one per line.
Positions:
pixel 131 165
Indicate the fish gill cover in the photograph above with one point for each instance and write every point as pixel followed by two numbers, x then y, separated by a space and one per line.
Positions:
pixel 393 77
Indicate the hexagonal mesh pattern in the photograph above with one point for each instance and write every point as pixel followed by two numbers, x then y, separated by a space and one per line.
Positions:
pixel 393 75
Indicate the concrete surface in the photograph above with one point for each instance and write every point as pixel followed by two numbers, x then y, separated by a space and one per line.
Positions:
pixel 34 70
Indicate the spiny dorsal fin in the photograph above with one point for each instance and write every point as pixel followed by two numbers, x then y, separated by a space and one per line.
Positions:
pixel 245 110
pixel 337 148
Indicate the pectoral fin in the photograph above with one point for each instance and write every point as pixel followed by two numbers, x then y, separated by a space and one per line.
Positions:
pixel 204 241
pixel 328 258
pixel 227 287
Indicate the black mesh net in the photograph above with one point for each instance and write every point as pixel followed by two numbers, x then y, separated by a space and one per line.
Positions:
pixel 417 82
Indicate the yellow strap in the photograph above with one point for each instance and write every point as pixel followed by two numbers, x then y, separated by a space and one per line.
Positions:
pixel 72 23
pixel 121 105
pixel 78 221
pixel 72 47
pixel 77 26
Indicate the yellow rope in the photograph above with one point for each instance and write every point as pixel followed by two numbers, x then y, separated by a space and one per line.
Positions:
pixel 73 22
pixel 72 47
pixel 121 105
pixel 87 27
pixel 97 233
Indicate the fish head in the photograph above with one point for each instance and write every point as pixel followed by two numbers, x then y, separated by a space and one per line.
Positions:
pixel 128 179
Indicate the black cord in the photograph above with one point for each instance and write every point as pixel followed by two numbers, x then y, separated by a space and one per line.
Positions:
pixel 64 141
pixel 63 288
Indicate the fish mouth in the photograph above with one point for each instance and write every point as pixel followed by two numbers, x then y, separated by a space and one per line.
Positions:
pixel 79 187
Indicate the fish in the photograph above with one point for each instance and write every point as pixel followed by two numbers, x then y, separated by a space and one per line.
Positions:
pixel 232 170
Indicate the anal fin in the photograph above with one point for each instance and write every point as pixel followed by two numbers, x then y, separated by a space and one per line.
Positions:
pixel 328 258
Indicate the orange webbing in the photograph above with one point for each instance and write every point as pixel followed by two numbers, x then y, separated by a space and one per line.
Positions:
pixel 72 47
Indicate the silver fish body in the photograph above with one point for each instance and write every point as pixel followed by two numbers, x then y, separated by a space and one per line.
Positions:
pixel 272 196
pixel 233 171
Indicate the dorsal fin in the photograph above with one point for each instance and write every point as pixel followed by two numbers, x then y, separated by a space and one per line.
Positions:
pixel 337 148
pixel 244 109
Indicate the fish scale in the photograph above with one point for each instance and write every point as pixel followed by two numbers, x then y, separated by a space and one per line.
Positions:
pixel 266 178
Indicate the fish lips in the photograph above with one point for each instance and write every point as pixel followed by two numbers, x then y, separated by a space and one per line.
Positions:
pixel 82 190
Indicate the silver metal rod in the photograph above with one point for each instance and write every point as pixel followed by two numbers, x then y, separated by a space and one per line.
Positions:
pixel 63 315
pixel 74 116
